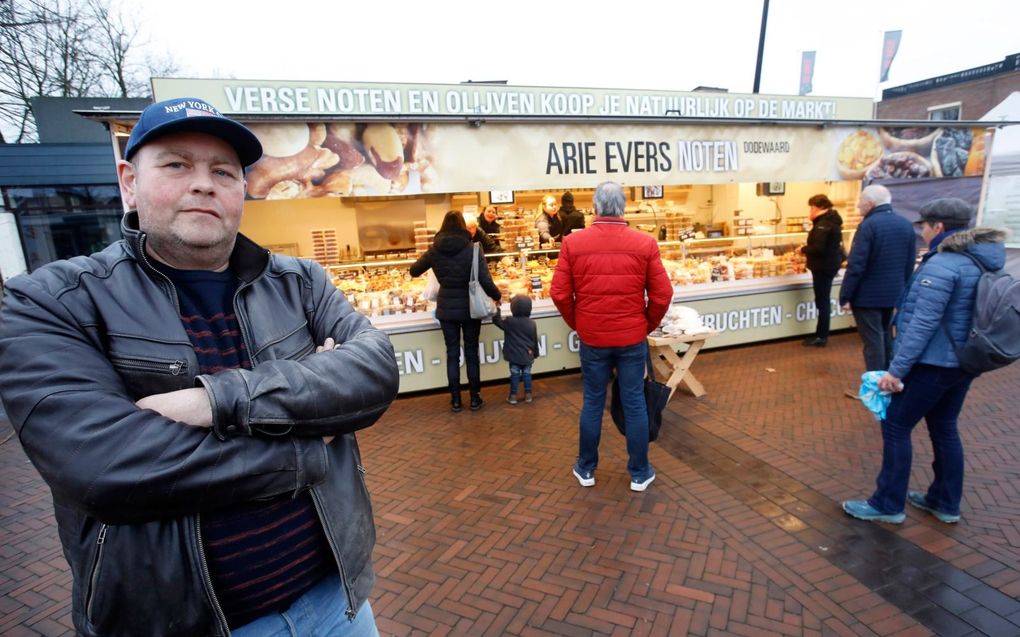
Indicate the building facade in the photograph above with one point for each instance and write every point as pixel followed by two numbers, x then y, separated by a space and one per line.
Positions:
pixel 963 95
pixel 59 198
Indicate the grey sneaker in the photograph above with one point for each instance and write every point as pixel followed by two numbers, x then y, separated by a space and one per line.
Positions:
pixel 586 478
pixel 527 397
pixel 861 510
pixel 511 399
pixel 920 500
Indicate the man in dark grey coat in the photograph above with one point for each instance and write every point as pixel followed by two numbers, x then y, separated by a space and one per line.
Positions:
pixel 880 263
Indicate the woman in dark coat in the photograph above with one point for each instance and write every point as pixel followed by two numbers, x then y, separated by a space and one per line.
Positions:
pixel 450 259
pixel 824 252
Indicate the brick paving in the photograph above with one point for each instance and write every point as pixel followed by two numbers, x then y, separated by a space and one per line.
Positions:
pixel 484 531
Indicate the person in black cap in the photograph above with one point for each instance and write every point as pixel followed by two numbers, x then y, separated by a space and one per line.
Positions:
pixel 191 400
pixel 570 217
pixel 933 319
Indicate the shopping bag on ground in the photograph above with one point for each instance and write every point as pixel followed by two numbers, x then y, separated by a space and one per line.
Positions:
pixel 656 397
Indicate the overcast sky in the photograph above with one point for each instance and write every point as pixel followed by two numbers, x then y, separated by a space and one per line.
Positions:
pixel 645 44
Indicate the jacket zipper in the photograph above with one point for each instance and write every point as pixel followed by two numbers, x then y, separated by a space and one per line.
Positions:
pixel 351 611
pixel 203 563
pixel 242 322
pixel 173 288
pixel 207 578
pixel 174 368
pixel 100 542
pixel 198 533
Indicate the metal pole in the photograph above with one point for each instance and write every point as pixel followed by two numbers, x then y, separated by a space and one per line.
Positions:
pixel 761 45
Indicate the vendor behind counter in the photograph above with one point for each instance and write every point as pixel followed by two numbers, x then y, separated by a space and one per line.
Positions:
pixel 488 221
pixel 479 236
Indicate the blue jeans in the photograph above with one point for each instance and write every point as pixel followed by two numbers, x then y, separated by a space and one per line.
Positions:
pixel 451 336
pixel 321 612
pixel 935 394
pixel 597 364
pixel 520 373
pixel 874 325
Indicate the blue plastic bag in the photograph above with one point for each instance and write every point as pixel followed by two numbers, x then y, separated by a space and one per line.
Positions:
pixel 873 398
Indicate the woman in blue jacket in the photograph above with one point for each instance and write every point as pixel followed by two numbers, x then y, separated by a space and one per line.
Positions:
pixel 925 376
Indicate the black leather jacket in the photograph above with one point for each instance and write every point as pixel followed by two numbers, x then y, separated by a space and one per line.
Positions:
pixel 82 340
pixel 824 249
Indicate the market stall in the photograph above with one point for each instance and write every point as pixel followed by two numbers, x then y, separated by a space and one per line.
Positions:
pixel 358 176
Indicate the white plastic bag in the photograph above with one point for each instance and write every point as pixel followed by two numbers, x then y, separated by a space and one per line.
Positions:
pixel 431 292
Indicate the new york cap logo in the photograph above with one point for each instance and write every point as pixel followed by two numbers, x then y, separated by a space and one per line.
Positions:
pixel 190 114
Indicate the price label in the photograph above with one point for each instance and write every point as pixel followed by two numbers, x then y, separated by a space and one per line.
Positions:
pixel 686 234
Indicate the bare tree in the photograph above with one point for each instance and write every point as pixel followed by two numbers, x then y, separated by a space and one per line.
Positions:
pixel 67 48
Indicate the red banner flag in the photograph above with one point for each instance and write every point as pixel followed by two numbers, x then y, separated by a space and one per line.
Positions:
pixel 890 45
pixel 807 71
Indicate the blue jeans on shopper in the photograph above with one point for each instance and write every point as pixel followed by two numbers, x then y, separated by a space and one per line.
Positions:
pixel 519 373
pixel 321 612
pixel 935 394
pixel 597 364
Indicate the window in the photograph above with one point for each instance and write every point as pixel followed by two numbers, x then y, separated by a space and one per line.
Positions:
pixel 65 221
pixel 945 111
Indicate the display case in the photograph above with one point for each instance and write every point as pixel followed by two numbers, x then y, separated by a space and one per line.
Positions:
pixel 385 291
pixel 747 289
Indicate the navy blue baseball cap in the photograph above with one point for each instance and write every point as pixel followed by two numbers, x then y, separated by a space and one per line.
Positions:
pixel 192 115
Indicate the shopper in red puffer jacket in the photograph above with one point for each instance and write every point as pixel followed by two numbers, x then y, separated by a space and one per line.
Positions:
pixel 603 277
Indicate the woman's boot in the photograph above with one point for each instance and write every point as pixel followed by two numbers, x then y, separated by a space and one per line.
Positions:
pixel 455 404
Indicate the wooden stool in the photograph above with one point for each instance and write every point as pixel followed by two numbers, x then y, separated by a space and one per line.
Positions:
pixel 676 369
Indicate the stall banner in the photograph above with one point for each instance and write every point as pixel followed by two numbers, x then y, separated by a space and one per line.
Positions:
pixel 890 45
pixel 750 318
pixel 350 100
pixel 405 158
pixel 807 71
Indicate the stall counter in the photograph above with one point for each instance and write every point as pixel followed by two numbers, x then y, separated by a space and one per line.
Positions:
pixel 741 312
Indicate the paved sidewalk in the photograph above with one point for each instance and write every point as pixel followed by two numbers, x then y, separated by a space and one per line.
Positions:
pixel 484 531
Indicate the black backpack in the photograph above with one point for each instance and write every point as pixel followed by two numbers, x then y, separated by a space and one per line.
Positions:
pixel 994 337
